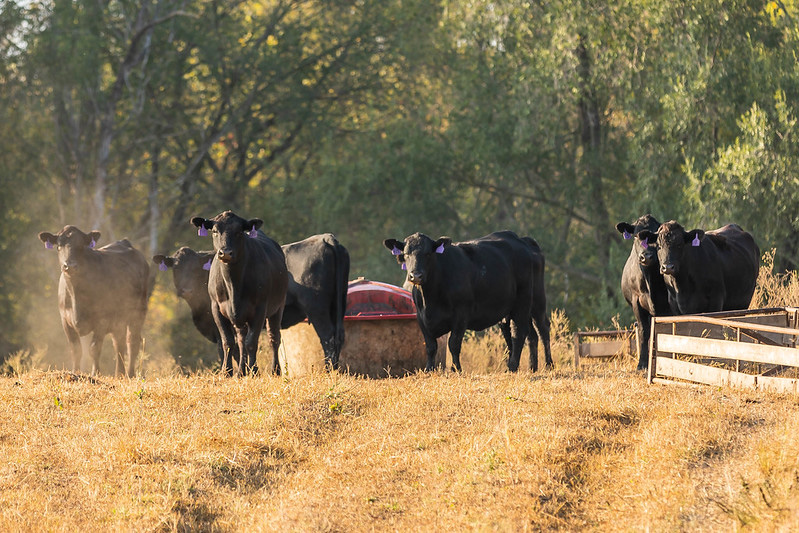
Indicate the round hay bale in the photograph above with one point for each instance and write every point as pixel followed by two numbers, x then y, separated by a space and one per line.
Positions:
pixel 382 336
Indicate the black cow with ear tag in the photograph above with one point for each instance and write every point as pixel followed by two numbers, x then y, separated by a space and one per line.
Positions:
pixel 247 285
pixel 474 285
pixel 642 283
pixel 706 271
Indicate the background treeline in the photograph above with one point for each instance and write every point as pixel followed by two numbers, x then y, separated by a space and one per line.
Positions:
pixel 377 118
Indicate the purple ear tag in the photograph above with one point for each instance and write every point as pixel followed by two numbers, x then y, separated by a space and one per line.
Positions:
pixel 695 242
pixel 48 245
pixel 396 251
pixel 253 233
pixel 440 249
pixel 202 232
pixel 645 243
pixel 207 266
pixel 404 267
pixel 92 244
pixel 626 235
pixel 162 267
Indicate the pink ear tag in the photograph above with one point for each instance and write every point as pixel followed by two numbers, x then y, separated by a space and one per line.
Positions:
pixel 162 267
pixel 440 249
pixel 404 267
pixel 253 233
pixel 695 242
pixel 48 245
pixel 626 235
pixel 645 243
pixel 207 266
pixel 202 232
pixel 92 244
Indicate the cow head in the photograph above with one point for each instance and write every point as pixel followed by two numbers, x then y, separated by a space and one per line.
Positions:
pixel 72 246
pixel 189 272
pixel 228 231
pixel 643 244
pixel 417 254
pixel 671 242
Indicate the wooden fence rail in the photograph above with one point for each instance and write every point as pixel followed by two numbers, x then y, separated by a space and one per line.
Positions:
pixel 613 343
pixel 755 349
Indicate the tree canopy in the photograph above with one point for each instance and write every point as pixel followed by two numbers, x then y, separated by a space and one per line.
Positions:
pixel 375 119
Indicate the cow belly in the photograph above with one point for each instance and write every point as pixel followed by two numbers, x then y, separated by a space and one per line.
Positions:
pixel 481 324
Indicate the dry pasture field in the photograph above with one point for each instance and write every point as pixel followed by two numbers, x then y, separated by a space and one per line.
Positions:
pixel 595 449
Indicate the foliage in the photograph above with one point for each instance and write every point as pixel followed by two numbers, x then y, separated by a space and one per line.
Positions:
pixel 374 119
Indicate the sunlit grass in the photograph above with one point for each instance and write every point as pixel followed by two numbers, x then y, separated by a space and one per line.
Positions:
pixel 596 449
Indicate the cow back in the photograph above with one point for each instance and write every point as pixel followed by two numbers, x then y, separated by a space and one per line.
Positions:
pixel 111 288
pixel 481 278
pixel 738 257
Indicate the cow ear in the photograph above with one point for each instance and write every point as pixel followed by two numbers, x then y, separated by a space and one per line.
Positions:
pixel 200 222
pixel 94 236
pixel 254 223
pixel 442 243
pixel 169 262
pixel 394 245
pixel 203 225
pixel 694 236
pixel 48 239
pixel 645 234
pixel 627 230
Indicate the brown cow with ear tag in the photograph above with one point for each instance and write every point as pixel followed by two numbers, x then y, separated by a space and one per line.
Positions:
pixel 101 291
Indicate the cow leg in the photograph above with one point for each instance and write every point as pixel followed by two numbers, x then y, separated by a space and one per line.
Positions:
pixel 519 332
pixel 95 346
pixel 134 342
pixel 504 327
pixel 532 342
pixel 330 345
pixel 246 358
pixel 454 343
pixel 74 344
pixel 541 325
pixel 117 340
pixel 273 331
pixel 644 320
pixel 227 338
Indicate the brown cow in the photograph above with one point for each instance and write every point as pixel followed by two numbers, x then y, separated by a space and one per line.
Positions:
pixel 101 291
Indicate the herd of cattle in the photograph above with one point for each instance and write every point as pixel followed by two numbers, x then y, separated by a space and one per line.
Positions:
pixel 249 282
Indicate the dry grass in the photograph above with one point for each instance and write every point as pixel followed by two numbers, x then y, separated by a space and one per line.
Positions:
pixel 775 289
pixel 594 450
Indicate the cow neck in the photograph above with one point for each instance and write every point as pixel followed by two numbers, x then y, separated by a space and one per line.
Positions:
pixel 233 273
pixel 656 289
pixel 82 283
pixel 428 288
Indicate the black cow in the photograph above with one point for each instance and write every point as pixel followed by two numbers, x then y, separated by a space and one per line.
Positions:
pixel 101 291
pixel 318 271
pixel 190 276
pixel 247 286
pixel 474 285
pixel 706 271
pixel 642 283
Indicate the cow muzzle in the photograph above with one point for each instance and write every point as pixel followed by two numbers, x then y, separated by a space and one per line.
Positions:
pixel 415 278
pixel 225 256
pixel 668 269
pixel 69 267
